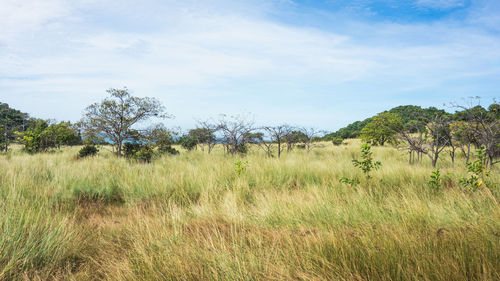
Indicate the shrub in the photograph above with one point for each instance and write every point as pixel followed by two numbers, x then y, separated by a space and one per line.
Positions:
pixel 366 164
pixel 337 141
pixel 167 149
pixel 137 151
pixel 434 182
pixel 240 167
pixel 129 149
pixel 477 171
pixel 351 182
pixel 88 150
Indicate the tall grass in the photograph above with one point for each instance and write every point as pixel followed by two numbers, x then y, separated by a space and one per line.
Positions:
pixel 190 217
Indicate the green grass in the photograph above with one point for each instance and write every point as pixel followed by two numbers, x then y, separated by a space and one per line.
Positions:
pixel 190 217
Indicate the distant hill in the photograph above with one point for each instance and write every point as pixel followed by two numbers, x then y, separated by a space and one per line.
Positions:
pixel 407 114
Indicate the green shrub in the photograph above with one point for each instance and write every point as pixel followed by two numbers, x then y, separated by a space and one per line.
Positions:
pixel 351 182
pixel 477 171
pixel 337 141
pixel 240 167
pixel 88 150
pixel 434 182
pixel 366 164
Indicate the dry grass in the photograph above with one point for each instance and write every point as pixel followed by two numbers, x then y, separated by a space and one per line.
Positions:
pixel 189 217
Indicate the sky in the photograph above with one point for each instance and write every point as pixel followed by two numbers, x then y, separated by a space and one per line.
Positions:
pixel 322 64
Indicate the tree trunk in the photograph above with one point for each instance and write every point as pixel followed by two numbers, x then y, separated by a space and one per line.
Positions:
pixel 119 148
pixel 279 149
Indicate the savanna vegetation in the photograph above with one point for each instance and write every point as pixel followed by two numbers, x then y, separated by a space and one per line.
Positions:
pixel 416 197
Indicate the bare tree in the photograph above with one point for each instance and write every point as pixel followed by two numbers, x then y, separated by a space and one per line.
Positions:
pixel 485 126
pixel 278 134
pixel 235 131
pixel 427 136
pixel 309 134
pixel 259 139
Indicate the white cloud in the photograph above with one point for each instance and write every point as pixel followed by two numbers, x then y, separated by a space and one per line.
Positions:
pixel 202 59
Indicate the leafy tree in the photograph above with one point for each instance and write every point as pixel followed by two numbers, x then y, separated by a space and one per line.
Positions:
pixel 382 128
pixel 42 136
pixel 114 117
pixel 203 136
pixel 11 120
pixel 293 138
pixel 188 142
pixel 463 135
pixel 161 138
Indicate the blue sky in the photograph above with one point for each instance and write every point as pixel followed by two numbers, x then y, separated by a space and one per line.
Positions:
pixel 307 63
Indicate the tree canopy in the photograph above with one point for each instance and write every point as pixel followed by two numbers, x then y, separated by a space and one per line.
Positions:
pixel 115 116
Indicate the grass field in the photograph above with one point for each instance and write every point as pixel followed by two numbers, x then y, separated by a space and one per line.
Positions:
pixel 190 217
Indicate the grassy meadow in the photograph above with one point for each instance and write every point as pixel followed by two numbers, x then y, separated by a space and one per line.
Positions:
pixel 190 217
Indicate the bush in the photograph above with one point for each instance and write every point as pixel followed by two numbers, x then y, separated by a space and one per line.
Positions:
pixel 188 142
pixel 167 149
pixel 129 149
pixel 337 141
pixel 88 150
pixel 434 182
pixel 137 151
pixel 367 164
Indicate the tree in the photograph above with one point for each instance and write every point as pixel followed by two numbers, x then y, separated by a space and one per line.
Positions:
pixel 188 142
pixel 235 131
pixel 381 128
pixel 208 129
pixel 162 138
pixel 308 136
pixel 204 136
pixel 462 136
pixel 43 135
pixel 293 138
pixel 115 116
pixel 429 136
pixel 278 134
pixel 485 126
pixel 258 138
pixel 11 120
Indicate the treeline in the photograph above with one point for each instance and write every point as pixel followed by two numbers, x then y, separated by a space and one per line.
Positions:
pixel 420 131
pixel 407 113
pixel 431 131
pixel 37 135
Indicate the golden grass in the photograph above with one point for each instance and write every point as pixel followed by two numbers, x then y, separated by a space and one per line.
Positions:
pixel 189 217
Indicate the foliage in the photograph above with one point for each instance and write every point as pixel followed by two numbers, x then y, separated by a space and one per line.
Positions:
pixel 240 167
pixel 477 171
pixel 114 117
pixel 88 150
pixel 351 182
pixel 434 182
pixel 407 113
pixel 366 164
pixel 11 120
pixel 337 141
pixel 137 151
pixel 188 142
pixel 161 138
pixel 43 136
pixel 382 128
